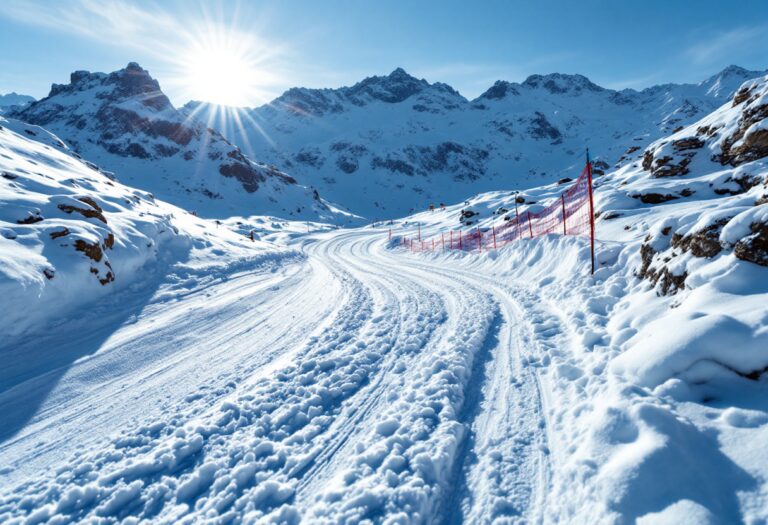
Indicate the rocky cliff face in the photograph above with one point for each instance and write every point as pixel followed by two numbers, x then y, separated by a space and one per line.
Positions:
pixel 389 144
pixel 124 122
pixel 709 181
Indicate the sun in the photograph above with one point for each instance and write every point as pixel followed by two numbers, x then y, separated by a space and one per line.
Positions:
pixel 220 76
pixel 222 70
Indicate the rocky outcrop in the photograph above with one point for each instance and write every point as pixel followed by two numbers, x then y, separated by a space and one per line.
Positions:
pixel 754 247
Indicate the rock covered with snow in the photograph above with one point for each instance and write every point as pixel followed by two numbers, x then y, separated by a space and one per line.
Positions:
pixel 124 122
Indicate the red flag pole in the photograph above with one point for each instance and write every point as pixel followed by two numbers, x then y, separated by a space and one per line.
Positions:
pixel 591 211
pixel 562 199
pixel 530 228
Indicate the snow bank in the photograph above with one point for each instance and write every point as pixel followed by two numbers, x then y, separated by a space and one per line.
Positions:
pixel 69 233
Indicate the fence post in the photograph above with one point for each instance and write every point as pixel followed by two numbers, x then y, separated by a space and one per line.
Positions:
pixel 451 240
pixel 442 239
pixel 460 240
pixel 493 229
pixel 530 228
pixel 562 199
pixel 479 239
pixel 419 232
pixel 591 212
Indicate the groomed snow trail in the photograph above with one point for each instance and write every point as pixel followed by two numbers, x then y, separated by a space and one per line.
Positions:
pixel 360 383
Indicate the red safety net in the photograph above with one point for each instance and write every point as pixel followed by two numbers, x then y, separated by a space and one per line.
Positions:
pixel 570 214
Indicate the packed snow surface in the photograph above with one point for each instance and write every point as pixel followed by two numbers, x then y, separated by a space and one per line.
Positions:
pixel 323 375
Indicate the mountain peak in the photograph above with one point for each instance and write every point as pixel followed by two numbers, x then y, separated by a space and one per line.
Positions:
pixel 131 82
pixel 722 84
pixel 561 83
pixel 400 74
pixel 395 87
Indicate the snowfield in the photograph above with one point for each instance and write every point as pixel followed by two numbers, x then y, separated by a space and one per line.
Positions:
pixel 159 367
pixel 407 388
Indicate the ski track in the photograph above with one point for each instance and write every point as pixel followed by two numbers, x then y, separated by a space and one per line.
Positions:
pixel 359 384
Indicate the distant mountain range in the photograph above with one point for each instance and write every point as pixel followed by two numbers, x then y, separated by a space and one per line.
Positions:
pixel 123 122
pixel 12 101
pixel 394 143
pixel 380 148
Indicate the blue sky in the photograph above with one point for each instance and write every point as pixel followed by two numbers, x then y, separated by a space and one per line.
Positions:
pixel 332 42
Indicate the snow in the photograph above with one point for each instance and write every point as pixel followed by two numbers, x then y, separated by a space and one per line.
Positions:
pixel 325 375
pixel 382 154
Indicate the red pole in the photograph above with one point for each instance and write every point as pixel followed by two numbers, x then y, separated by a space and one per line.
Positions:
pixel 493 229
pixel 591 211
pixel 479 240
pixel 530 228
pixel 451 240
pixel 442 238
pixel 459 239
pixel 419 232
pixel 562 199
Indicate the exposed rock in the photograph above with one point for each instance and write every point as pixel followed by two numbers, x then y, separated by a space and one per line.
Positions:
pixel 754 248
pixel 667 283
pixel 60 233
pixel 94 211
pixel 31 218
pixel 248 176
pixel 393 165
pixel 743 147
pixel 687 144
pixel 654 198
pixel 703 243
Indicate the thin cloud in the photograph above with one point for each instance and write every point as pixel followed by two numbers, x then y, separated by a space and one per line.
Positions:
pixel 152 32
pixel 726 43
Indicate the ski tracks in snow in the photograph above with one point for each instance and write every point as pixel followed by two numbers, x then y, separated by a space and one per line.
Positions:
pixel 414 398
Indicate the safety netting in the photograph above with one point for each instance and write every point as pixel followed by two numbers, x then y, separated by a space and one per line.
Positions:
pixel 571 213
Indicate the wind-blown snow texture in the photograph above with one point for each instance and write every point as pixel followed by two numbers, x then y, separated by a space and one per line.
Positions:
pixel 359 381
pixel 393 144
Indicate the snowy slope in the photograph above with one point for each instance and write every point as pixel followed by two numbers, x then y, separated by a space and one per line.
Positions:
pixel 123 122
pixel 365 382
pixel 392 144
pixel 654 371
pixel 13 101
pixel 71 234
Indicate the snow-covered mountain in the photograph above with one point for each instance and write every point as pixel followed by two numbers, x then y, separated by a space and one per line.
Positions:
pixel 123 122
pixel 14 101
pixel 390 144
